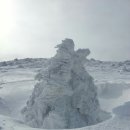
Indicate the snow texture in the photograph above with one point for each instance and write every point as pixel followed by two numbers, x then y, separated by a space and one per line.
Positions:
pixel 65 96
pixel 3 107
pixel 123 110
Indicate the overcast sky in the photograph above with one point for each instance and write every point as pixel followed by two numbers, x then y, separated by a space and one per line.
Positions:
pixel 32 28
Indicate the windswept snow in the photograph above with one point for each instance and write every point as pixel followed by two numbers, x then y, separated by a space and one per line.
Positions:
pixel 17 83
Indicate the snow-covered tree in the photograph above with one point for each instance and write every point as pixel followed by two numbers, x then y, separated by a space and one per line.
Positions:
pixel 65 95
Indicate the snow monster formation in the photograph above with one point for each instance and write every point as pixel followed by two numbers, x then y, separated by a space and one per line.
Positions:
pixel 65 95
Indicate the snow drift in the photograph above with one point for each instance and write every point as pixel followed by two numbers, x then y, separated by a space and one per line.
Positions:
pixel 65 95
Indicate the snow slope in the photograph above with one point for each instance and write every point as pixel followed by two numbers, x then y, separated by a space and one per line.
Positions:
pixel 16 85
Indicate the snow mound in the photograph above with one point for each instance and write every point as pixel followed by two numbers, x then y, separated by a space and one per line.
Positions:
pixel 123 110
pixel 65 95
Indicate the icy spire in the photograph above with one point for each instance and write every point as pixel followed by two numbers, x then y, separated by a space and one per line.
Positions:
pixel 65 96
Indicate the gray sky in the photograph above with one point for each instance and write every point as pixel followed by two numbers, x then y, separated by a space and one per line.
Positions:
pixel 32 28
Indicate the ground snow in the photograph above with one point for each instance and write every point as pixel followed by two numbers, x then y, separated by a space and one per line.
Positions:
pixel 16 89
pixel 115 123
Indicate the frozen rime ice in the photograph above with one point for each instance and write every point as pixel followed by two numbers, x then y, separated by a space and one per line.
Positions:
pixel 65 96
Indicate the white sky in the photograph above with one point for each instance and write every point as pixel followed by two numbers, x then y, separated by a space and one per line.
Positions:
pixel 32 28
